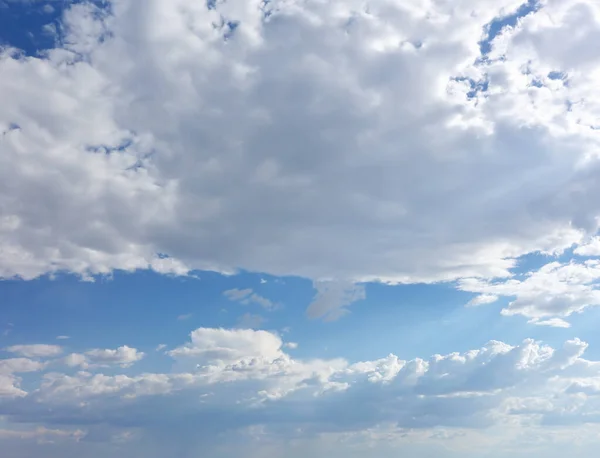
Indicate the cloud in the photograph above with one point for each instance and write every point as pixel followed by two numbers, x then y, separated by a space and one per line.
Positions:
pixel 546 295
pixel 35 350
pixel 123 356
pixel 184 317
pixel 248 296
pixel 9 382
pixel 592 248
pixel 237 381
pixel 481 300
pixel 224 346
pixel 325 140
pixel 552 322
pixel 332 298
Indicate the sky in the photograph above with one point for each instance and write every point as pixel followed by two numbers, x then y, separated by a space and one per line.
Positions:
pixel 290 228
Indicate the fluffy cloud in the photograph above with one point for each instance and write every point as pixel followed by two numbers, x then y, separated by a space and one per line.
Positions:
pixel 592 248
pixel 123 356
pixel 544 296
pixel 36 350
pixel 242 381
pixel 9 382
pixel 320 139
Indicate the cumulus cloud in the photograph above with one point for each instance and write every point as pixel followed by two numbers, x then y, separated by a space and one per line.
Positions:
pixel 243 380
pixel 546 295
pixel 328 140
pixel 9 382
pixel 123 356
pixel 591 248
pixel 35 350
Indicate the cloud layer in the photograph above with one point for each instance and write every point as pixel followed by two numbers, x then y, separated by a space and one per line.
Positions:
pixel 232 381
pixel 328 140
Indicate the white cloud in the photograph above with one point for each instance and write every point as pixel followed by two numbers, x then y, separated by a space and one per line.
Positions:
pixel 243 379
pixel 223 346
pixel 123 356
pixel 36 350
pixel 548 294
pixel 184 317
pixel 482 299
pixel 16 365
pixel 328 140
pixel 552 322
pixel 62 337
pixel 592 248
pixel 9 382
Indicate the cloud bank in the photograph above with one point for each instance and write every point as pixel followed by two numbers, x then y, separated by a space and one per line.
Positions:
pixel 332 140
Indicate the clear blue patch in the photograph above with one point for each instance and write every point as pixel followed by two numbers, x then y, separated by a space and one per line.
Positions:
pixel 557 75
pixel 537 83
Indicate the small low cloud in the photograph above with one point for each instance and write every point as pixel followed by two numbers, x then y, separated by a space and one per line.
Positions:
pixel 248 296
pixel 123 356
pixel 184 317
pixel 35 350
pixel 552 322
pixel 332 298
pixel 482 299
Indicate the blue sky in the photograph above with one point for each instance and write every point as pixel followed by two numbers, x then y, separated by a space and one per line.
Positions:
pixel 265 229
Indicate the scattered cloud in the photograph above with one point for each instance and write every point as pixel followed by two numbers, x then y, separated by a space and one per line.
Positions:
pixel 242 378
pixel 591 248
pixel 552 322
pixel 123 356
pixel 35 350
pixel 187 316
pixel 332 298
pixel 546 295
pixel 481 300
pixel 248 296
